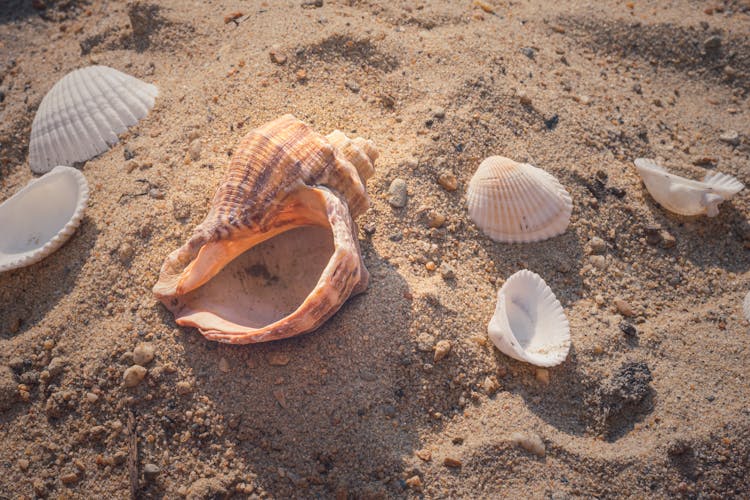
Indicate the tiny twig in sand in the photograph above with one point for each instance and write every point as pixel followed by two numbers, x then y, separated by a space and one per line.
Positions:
pixel 133 455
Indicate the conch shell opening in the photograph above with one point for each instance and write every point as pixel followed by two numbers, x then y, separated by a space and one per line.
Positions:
pixel 277 254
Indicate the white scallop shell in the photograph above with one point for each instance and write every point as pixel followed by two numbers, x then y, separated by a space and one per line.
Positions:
pixel 81 116
pixel 517 202
pixel 529 323
pixel 686 196
pixel 746 306
pixel 39 218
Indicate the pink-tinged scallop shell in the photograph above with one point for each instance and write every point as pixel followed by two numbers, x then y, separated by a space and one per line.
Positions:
pixel 83 113
pixel 277 254
pixel 41 217
pixel 517 202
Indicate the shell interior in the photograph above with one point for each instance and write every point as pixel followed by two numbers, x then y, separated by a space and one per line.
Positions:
pixel 39 218
pixel 516 202
pixel 83 113
pixel 687 196
pixel 529 323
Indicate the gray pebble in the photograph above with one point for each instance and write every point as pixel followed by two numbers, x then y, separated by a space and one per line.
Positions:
pixel 125 252
pixel 730 137
pixel 528 52
pixel 597 245
pixel 397 193
pixel 352 85
pixel 150 472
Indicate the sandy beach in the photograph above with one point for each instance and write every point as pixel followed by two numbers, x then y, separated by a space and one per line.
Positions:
pixel 653 399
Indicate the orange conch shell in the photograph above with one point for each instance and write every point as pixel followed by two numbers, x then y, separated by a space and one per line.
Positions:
pixel 278 253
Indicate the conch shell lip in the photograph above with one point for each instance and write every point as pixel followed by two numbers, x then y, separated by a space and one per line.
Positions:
pixel 216 328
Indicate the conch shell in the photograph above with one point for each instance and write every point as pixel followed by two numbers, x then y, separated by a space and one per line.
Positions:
pixel 277 254
pixel 686 196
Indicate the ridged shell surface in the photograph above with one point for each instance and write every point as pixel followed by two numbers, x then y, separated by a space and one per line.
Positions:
pixel 686 196
pixel 39 218
pixel 529 323
pixel 283 179
pixel 516 202
pixel 746 306
pixel 83 113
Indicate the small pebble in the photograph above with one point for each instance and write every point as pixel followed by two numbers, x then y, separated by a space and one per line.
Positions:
pixel 414 483
pixel 301 75
pixel 438 112
pixel 435 219
pixel 125 252
pixel 452 462
pixel 524 98
pixel 23 464
pixel 134 375
pixel 156 194
pixel 528 52
pixel 397 193
pixel 446 271
pixel 430 266
pixel 442 349
pixel 667 240
pixel 195 150
pixel 183 387
pixel 490 385
pixel 278 359
pixel 277 57
pixel 653 234
pixel 624 308
pixel 224 365
pixel 91 398
pixel 542 375
pixel 530 442
pixel 712 42
pixel 424 454
pixel 69 478
pixel 599 262
pixel 143 354
pixel 448 180
pixel 150 472
pixel 597 245
pixel 352 85
pixel 730 137
pixel 56 366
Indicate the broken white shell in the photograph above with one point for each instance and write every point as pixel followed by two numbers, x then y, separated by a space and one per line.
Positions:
pixel 529 323
pixel 517 202
pixel 746 306
pixel 686 196
pixel 81 116
pixel 39 218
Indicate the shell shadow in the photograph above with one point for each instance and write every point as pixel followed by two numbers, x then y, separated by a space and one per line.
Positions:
pixel 28 293
pixel 726 233
pixel 322 412
pixel 577 403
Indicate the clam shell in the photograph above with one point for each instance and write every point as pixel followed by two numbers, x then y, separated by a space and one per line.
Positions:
pixel 83 113
pixel 529 323
pixel 39 218
pixel 516 202
pixel 746 306
pixel 278 252
pixel 686 196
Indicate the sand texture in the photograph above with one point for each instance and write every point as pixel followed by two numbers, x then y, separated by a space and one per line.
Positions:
pixel 653 399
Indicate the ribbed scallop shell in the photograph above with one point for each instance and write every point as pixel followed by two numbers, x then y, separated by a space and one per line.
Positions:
pixel 284 178
pixel 686 196
pixel 39 218
pixel 529 323
pixel 746 306
pixel 516 202
pixel 83 113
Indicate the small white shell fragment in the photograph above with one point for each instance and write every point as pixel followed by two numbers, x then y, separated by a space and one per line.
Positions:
pixel 529 323
pixel 746 306
pixel 517 202
pixel 39 218
pixel 83 113
pixel 686 196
